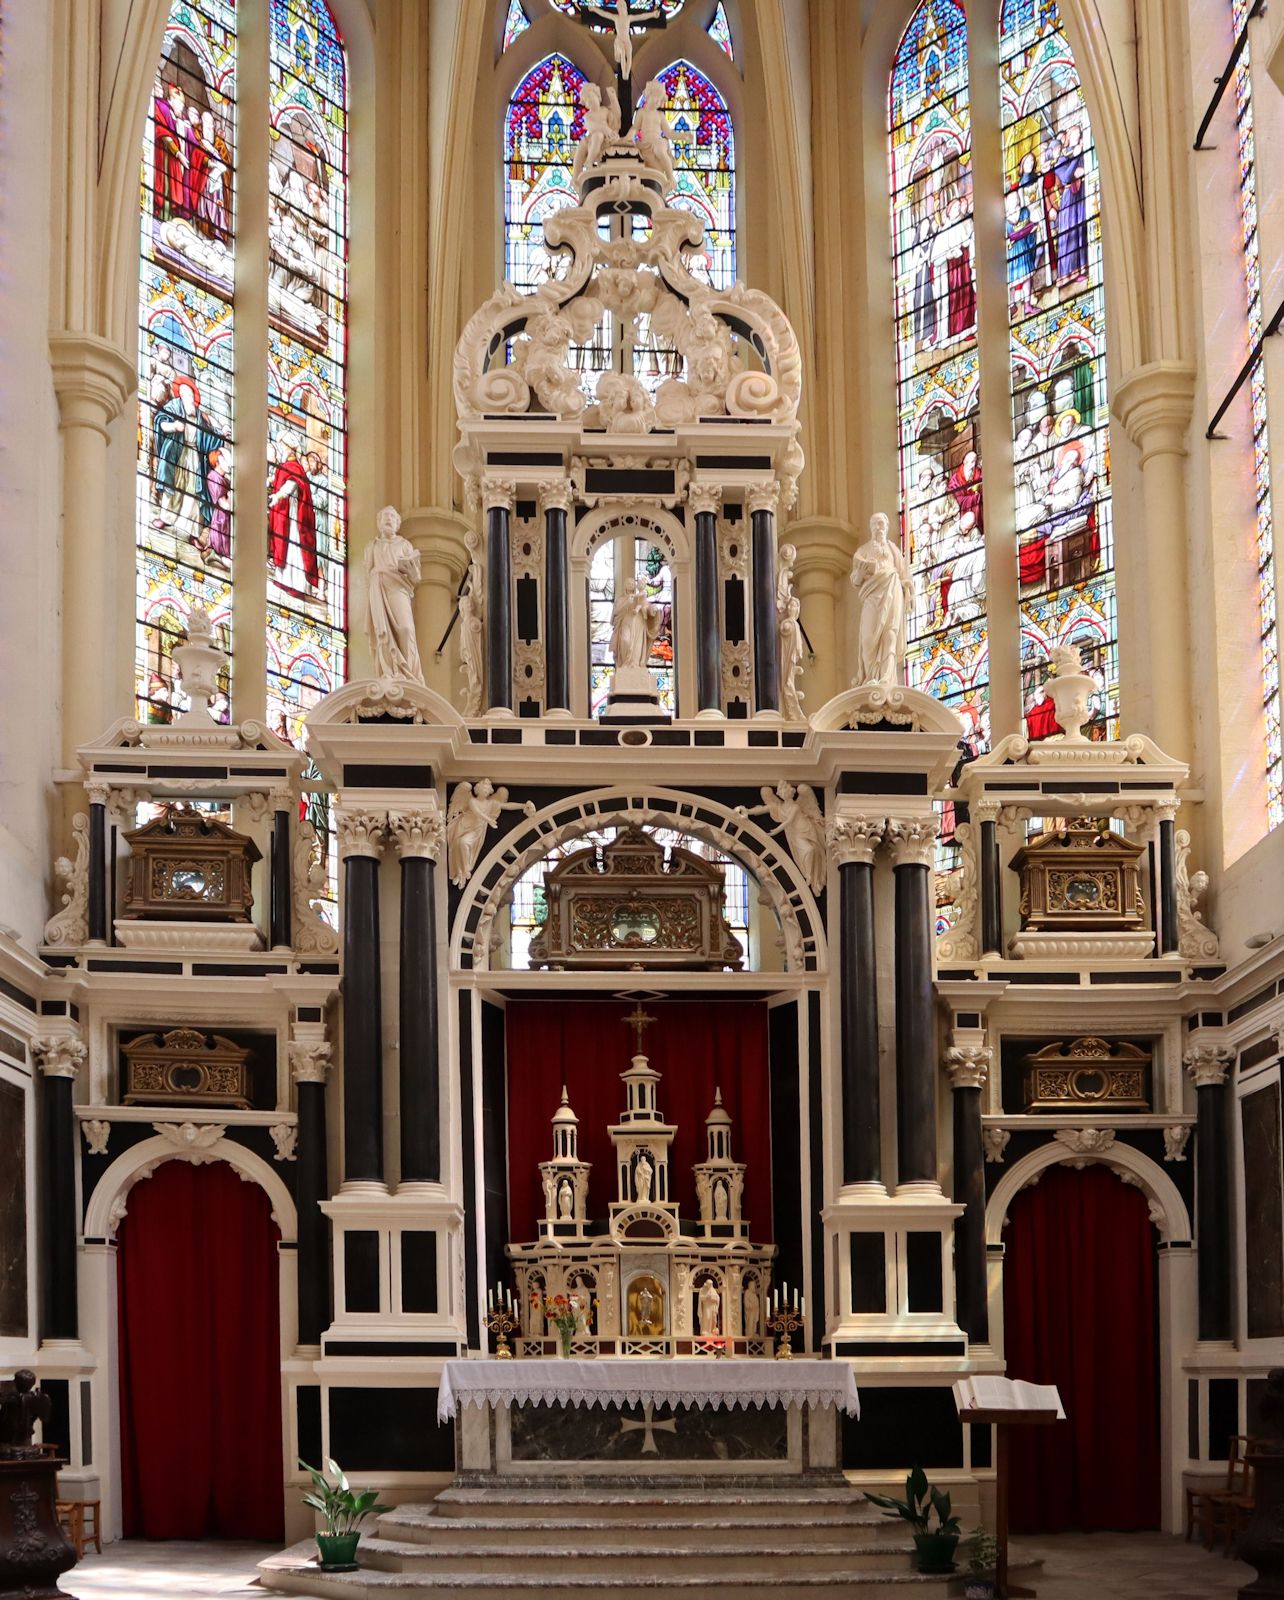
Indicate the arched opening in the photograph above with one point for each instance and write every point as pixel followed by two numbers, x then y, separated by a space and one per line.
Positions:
pixel 200 1370
pixel 1080 1310
pixel 617 563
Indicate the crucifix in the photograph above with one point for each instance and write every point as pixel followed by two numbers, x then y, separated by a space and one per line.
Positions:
pixel 639 1022
pixel 623 19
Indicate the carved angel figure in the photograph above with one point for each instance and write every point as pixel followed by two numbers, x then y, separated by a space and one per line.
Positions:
pixel 472 813
pixel 652 131
pixel 601 127
pixel 796 813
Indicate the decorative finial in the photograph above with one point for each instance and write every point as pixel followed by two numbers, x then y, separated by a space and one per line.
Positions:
pixel 638 1021
pixel 717 1096
pixel 566 1099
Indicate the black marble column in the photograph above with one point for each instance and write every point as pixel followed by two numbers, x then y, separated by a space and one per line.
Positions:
pixel 708 621
pixel 280 898
pixel 766 641
pixel 499 629
pixel 967 1065
pixel 59 1058
pixel 1208 1067
pixel 911 843
pixel 420 1068
pixel 312 1186
pixel 97 922
pixel 557 647
pixel 991 889
pixel 1168 931
pixel 360 842
pixel 858 1011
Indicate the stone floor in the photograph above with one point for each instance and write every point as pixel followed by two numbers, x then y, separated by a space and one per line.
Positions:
pixel 1077 1566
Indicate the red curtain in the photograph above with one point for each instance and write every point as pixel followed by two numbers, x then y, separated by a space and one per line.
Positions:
pixel 698 1045
pixel 200 1364
pixel 1079 1311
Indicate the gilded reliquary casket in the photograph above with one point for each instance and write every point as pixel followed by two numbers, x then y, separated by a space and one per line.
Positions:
pixel 1088 1072
pixel 186 1067
pixel 188 865
pixel 1082 877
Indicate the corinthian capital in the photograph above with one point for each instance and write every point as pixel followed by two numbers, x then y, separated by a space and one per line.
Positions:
pixel 764 497
pixel 361 833
pixel 703 497
pixel 417 833
pixel 912 840
pixel 498 492
pixel 1208 1064
pixel 59 1055
pixel 555 496
pixel 855 839
pixel 968 1065
pixel 309 1060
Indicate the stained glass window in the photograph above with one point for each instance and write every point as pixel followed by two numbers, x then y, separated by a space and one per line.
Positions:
pixel 704 161
pixel 184 515
pixel 601 13
pixel 515 23
pixel 1261 436
pixel 545 120
pixel 614 562
pixel 1056 308
pixel 938 372
pixel 720 30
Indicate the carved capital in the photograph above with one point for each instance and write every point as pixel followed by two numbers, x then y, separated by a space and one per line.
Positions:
pixel 59 1055
pixel 912 840
pixel 555 496
pixel 984 810
pixel 417 833
pixel 968 1065
pixel 94 381
pixel 281 798
pixel 1154 403
pixel 501 492
pixel 855 839
pixel 309 1060
pixel 704 497
pixel 361 833
pixel 1208 1064
pixel 97 791
pixel 763 497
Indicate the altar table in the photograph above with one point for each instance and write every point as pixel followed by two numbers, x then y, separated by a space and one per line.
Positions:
pixel 707 1417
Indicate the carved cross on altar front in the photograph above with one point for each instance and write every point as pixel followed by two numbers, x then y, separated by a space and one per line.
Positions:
pixel 638 1021
pixel 649 1428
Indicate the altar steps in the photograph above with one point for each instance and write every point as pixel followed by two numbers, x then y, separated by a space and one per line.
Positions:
pixel 447 1532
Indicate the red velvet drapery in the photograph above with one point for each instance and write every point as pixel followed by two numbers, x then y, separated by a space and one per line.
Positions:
pixel 200 1361
pixel 698 1046
pixel 1079 1311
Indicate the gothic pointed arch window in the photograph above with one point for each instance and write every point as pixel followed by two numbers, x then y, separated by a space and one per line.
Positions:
pixel 1049 307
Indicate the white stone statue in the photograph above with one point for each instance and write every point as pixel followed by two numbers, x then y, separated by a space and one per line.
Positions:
pixel 582 1301
pixel 474 809
pixel 682 1300
pixel 643 1172
pixel 618 16
pixel 550 1196
pixel 472 640
pixel 392 571
pixel 646 1308
pixel 703 1196
pixel 565 1200
pixel 789 628
pixel 796 813
pixel 885 593
pixel 710 1303
pixel 753 1310
pixel 720 1202
pixel 652 131
pixel 635 625
pixel 601 127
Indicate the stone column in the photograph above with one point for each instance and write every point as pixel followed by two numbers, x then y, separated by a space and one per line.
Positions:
pixel 820 582
pixel 95 382
pixel 703 500
pixel 418 836
pixel 310 1067
pixel 1166 850
pixel 968 1066
pixel 912 841
pixel 281 893
pixel 852 842
pixel 361 840
pixel 1208 1065
pixel 985 814
pixel 59 1057
pixel 499 496
pixel 766 642
pixel 555 502
pixel 98 919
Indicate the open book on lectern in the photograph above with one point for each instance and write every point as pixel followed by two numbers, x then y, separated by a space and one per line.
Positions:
pixel 1007 1394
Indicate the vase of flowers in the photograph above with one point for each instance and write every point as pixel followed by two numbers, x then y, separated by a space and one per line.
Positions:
pixel 567 1313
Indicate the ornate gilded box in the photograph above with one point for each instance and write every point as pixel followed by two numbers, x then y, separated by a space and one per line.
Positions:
pixel 627 906
pixel 1082 876
pixel 1088 1072
pixel 188 865
pixel 186 1067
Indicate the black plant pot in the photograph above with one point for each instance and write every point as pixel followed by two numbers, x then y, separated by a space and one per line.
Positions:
pixel 338 1551
pixel 934 1552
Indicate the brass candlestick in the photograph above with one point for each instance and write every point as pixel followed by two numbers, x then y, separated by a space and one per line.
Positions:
pixel 786 1321
pixel 501 1321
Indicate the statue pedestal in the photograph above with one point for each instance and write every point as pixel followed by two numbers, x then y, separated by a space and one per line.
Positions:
pixel 633 699
pixel 33 1548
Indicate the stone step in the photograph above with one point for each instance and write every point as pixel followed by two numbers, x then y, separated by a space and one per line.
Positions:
pixel 611 1559
pixel 671 1504
pixel 411 1524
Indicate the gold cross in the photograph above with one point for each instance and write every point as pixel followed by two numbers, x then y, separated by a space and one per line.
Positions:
pixel 638 1021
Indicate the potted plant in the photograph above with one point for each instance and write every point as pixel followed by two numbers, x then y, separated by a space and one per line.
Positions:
pixel 982 1565
pixel 933 1547
pixel 343 1511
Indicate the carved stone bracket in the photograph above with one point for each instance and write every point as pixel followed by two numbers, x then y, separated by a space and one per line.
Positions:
pixel 1175 1141
pixel 960 889
pixel 1194 940
pixel 417 833
pixel 996 1142
pixel 1208 1064
pixel 855 839
pixel 1086 1141
pixel 59 1055
pixel 968 1065
pixel 285 1136
pixel 70 925
pixel 191 1139
pixel 96 1134
pixel 310 933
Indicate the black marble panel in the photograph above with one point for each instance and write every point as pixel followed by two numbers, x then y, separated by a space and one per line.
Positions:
pixel 13 1212
pixel 1263 1213
pixel 687 1433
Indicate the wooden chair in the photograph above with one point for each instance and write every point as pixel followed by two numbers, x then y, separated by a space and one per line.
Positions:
pixel 1234 1514
pixel 1198 1501
pixel 80 1522
pixel 1221 1511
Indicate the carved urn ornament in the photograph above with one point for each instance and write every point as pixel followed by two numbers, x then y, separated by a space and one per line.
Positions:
pixel 1080 878
pixel 188 1068
pixel 187 865
pixel 1088 1072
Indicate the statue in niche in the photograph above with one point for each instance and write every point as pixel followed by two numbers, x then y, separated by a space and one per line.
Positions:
pixel 884 593
pixel 565 1201
pixel 682 1304
pixel 794 809
pixel 635 626
pixel 643 1172
pixel 753 1310
pixel 601 127
pixel 720 1202
pixel 550 1196
pixel 473 811
pixel 392 571
pixel 710 1304
pixel 646 1306
pixel 703 1195
pixel 472 640
pixel 582 1301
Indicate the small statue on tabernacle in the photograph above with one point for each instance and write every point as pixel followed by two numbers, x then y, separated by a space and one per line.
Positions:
pixel 22 1405
pixel 565 1200
pixel 642 1175
pixel 550 1196
pixel 753 1309
pixel 710 1303
pixel 720 1203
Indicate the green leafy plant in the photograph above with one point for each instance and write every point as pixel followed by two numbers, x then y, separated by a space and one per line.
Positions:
pixel 342 1508
pixel 921 1499
pixel 982 1551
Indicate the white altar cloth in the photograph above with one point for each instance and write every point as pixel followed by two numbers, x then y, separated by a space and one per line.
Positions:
pixel 635 1380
